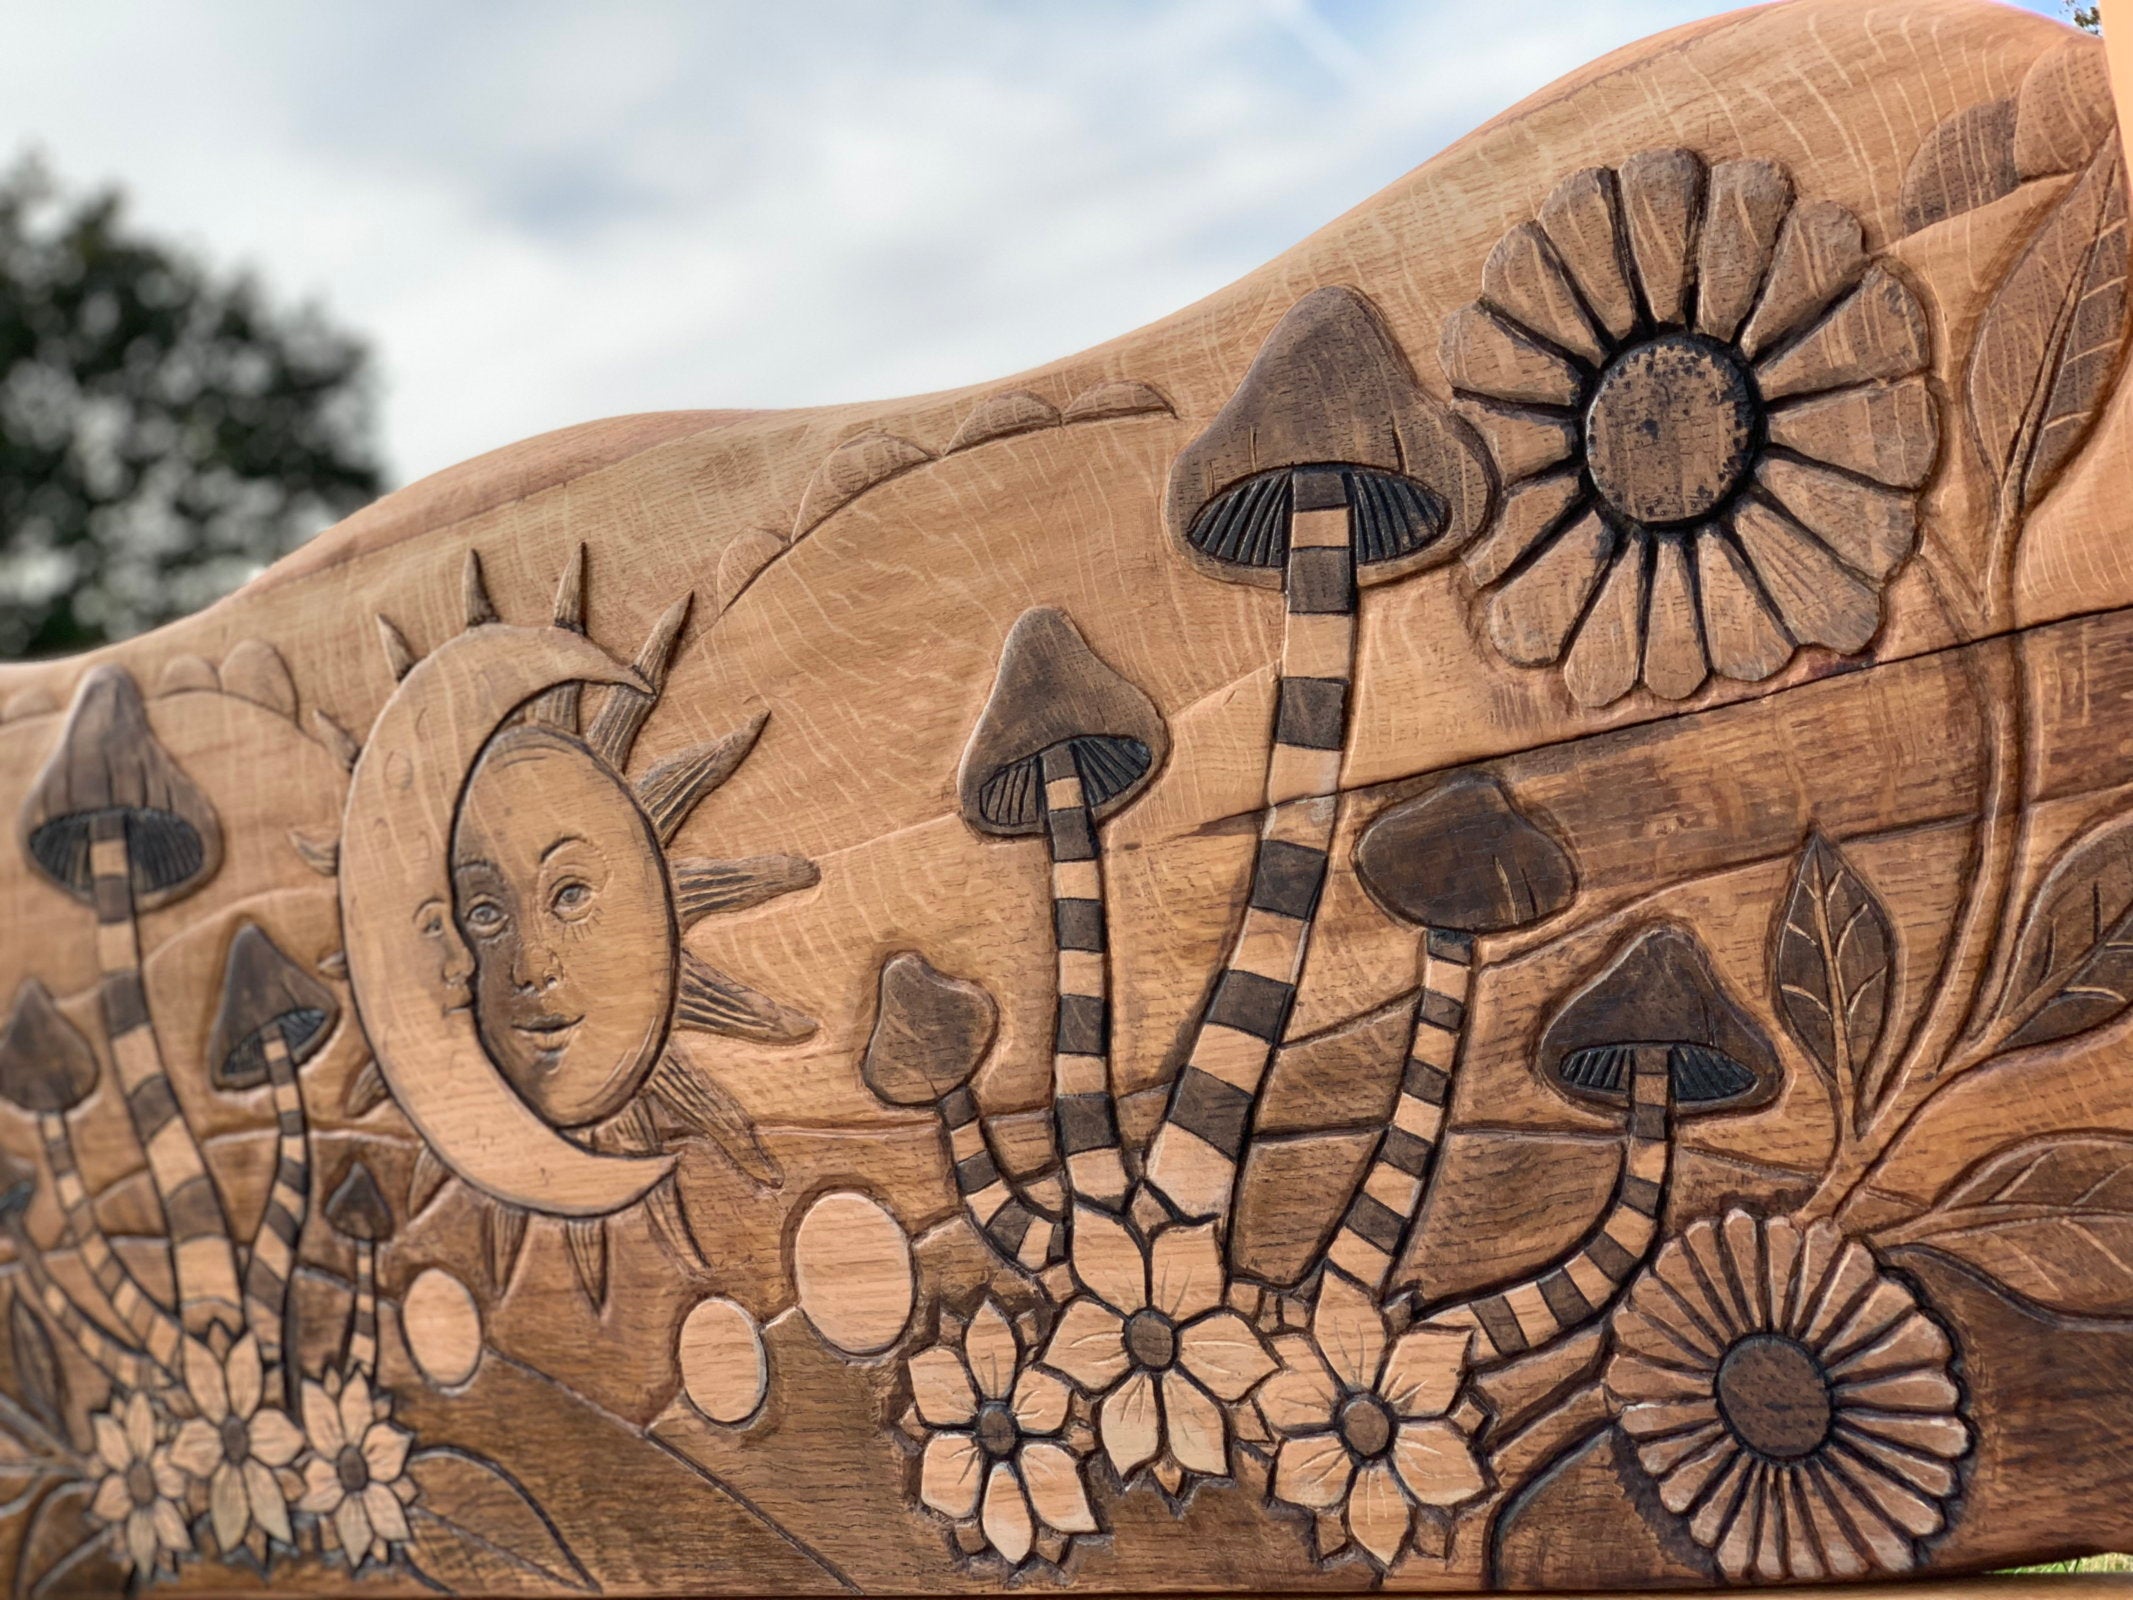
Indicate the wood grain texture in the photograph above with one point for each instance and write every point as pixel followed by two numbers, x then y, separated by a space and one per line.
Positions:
pixel 1458 921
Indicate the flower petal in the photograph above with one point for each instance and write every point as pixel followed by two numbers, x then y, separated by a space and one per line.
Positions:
pixel 1349 1331
pixel 355 1407
pixel 1884 431
pixel 170 1479
pixel 141 1546
pixel 1878 331
pixel 1378 1514
pixel 1301 1396
pixel 1744 202
pixel 275 1439
pixel 322 1486
pixel 170 1528
pixel 1871 528
pixel 197 1447
pixel 1602 662
pixel 269 1509
pixel 1820 599
pixel 1107 1262
pixel 1488 355
pixel 1437 1464
pixel 1131 1428
pixel 1053 1478
pixel 1531 615
pixel 322 1421
pixel 204 1381
pixel 1313 1471
pixel 229 1506
pixel 940 1385
pixel 948 1474
pixel 1821 252
pixel 1199 1437
pixel 140 1427
pixel 1632 1377
pixel 247 1376
pixel 1674 662
pixel 1224 1352
pixel 993 1351
pixel 1424 1371
pixel 387 1520
pixel 111 1442
pixel 1007 1520
pixel 1661 195
pixel 1040 1403
pixel 1746 643
pixel 1185 1271
pixel 1089 1345
pixel 385 1450
pixel 352 1523
pixel 112 1501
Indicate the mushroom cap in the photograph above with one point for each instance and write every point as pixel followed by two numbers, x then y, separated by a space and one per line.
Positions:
pixel 262 989
pixel 1659 991
pixel 1464 858
pixel 1051 690
pixel 109 763
pixel 1329 388
pixel 357 1205
pixel 930 1032
pixel 46 1063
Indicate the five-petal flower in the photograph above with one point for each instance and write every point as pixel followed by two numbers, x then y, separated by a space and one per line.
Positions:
pixel 354 1479
pixel 235 1445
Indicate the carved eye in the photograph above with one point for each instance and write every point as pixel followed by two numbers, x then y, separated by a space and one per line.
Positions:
pixel 572 899
pixel 485 919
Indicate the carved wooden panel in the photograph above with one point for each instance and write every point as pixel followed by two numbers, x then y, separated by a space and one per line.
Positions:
pixel 1462 920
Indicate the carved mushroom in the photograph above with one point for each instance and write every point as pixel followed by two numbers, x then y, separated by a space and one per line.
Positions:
pixel 121 1363
pixel 47 1068
pixel 1655 1035
pixel 1328 469
pixel 1063 743
pixel 114 821
pixel 274 1017
pixel 1457 863
pixel 358 1210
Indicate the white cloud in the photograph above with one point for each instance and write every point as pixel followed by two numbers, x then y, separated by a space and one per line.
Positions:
pixel 544 213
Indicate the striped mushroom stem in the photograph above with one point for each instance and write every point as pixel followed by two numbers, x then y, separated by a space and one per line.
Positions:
pixel 1065 742
pixel 358 1210
pixel 1458 863
pixel 121 1363
pixel 1656 1037
pixel 114 821
pixel 1328 470
pixel 931 1033
pixel 274 1017
pixel 47 1068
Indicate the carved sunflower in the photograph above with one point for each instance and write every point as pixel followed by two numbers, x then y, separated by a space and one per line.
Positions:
pixel 1709 412
pixel 1790 1399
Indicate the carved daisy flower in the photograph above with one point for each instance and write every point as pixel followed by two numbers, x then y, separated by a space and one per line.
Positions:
pixel 142 1492
pixel 998 1455
pixel 354 1481
pixel 1790 1399
pixel 1710 416
pixel 1372 1429
pixel 235 1444
pixel 1150 1334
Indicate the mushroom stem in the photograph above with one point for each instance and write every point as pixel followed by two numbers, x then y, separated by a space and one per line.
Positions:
pixel 1192 1161
pixel 122 1364
pixel 1084 1114
pixel 363 1317
pixel 281 1224
pixel 204 1262
pixel 1578 1288
pixel 152 1327
pixel 1011 1218
pixel 1374 1232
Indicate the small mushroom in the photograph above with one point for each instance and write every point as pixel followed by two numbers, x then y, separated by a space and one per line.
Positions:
pixel 47 1068
pixel 274 1017
pixel 1458 862
pixel 1328 470
pixel 1065 742
pixel 114 821
pixel 1654 1035
pixel 358 1210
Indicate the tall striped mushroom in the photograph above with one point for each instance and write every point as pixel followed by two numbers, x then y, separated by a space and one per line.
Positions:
pixel 1457 863
pixel 114 821
pixel 1329 470
pixel 358 1210
pixel 1656 1037
pixel 274 1017
pixel 47 1068
pixel 121 1363
pixel 1065 742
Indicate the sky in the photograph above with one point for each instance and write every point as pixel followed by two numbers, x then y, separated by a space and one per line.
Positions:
pixel 541 213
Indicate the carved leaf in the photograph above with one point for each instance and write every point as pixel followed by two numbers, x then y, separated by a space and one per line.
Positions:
pixel 60 1546
pixel 1831 957
pixel 477 1532
pixel 42 1385
pixel 2073 963
pixel 2050 1219
pixel 2049 342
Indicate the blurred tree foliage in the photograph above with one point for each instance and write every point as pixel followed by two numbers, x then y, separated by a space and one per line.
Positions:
pixel 165 431
pixel 2088 17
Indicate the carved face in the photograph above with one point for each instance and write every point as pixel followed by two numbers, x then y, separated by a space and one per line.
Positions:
pixel 561 893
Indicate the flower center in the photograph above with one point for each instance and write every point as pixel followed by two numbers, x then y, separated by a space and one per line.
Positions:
pixel 1671 429
pixel 354 1471
pixel 1775 1396
pixel 236 1439
pixel 1366 1426
pixel 1151 1340
pixel 141 1484
pixel 996 1428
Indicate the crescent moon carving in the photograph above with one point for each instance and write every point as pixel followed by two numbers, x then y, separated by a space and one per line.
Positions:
pixel 395 866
